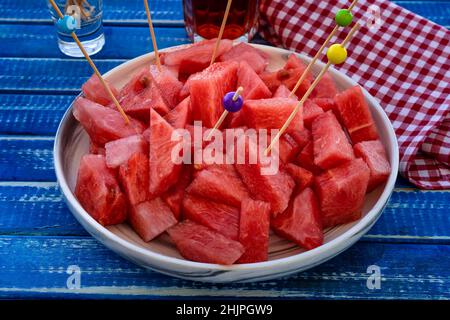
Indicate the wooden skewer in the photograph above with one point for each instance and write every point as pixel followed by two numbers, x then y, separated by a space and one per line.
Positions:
pixel 308 93
pixel 91 63
pixel 152 34
pixel 319 52
pixel 222 28
pixel 224 113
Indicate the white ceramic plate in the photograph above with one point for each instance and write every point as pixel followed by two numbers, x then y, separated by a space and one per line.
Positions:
pixel 285 258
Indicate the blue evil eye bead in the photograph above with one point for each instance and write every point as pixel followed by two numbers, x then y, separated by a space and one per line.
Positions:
pixel 232 105
pixel 67 24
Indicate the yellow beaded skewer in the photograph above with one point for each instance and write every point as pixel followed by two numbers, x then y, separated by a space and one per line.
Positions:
pixel 336 54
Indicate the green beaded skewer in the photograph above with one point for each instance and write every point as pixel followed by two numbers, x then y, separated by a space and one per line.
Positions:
pixel 343 18
pixel 336 54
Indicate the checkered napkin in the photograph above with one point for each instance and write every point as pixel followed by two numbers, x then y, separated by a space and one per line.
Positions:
pixel 405 64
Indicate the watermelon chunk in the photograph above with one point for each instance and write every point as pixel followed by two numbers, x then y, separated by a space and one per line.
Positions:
pixel 95 149
pixel 282 92
pixel 196 57
pixel 174 196
pixel 217 216
pixel 254 87
pixel 305 159
pixel 293 62
pixel 98 191
pixel 302 177
pixel 208 88
pixel 326 88
pixel 151 218
pixel 271 80
pixel 168 85
pixel 140 81
pixel 331 146
pixel 138 105
pixel 326 104
pixel 199 243
pixel 254 230
pixel 103 124
pixel 255 58
pixel 341 192
pixel 310 112
pixel 302 137
pixel 220 184
pixel 119 151
pixel 179 116
pixel 94 90
pixel 372 152
pixel 275 189
pixel 301 222
pixel 288 148
pixel 290 77
pixel 133 176
pixel 355 115
pixel 163 171
pixel 271 113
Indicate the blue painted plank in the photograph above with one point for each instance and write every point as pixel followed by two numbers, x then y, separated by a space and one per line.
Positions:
pixel 121 42
pixel 114 11
pixel 32 114
pixel 410 216
pixel 35 267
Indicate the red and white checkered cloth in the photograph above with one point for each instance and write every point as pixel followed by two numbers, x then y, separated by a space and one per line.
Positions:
pixel 405 64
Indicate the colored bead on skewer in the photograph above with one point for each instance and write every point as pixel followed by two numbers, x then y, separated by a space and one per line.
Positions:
pixel 343 18
pixel 336 54
pixel 232 102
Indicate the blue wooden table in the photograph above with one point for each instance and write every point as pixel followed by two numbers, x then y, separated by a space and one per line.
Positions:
pixel 40 239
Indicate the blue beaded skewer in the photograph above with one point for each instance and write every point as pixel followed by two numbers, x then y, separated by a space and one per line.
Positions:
pixel 232 102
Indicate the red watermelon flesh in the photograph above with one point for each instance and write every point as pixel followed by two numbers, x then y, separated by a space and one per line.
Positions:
pixel 98 191
pixel 302 137
pixel 271 113
pixel 282 92
pixel 185 91
pixel 254 87
pixel 310 112
pixel 271 80
pixel 119 151
pixel 95 149
pixel 196 57
pixel 326 104
pixel 236 119
pixel 133 176
pixel 290 77
pixel 199 243
pixel 221 184
pixel 94 90
pixel 326 88
pixel 139 82
pixel 331 146
pixel 208 88
pixel 293 62
pixel 341 192
pixel 138 105
pixel 256 59
pixel 254 230
pixel 275 189
pixel 174 196
pixel 163 171
pixel 288 148
pixel 169 86
pixel 302 177
pixel 301 222
pixel 217 216
pixel 355 115
pixel 103 124
pixel 305 159
pixel 179 116
pixel 372 152
pixel 151 218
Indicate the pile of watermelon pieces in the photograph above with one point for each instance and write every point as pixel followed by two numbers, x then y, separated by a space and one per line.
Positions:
pixel 331 155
